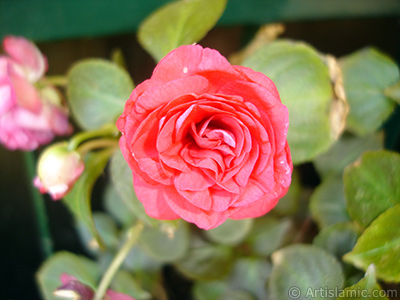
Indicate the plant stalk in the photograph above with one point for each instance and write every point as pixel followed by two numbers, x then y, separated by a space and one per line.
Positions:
pixel 132 237
pixel 79 138
pixel 46 243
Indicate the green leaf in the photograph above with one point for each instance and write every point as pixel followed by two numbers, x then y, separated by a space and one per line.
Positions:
pixel 269 234
pixel 116 207
pixel 107 230
pixel 231 232
pixel 49 274
pixel 372 185
pixel 78 199
pixel 209 290
pixel 206 262
pixel 346 151
pixel 300 270
pixel 124 283
pixel 178 23
pixel 366 288
pixel 328 204
pixel 379 245
pixel 366 74
pixel 163 246
pixel 236 295
pixel 304 85
pixel 121 177
pixel 338 238
pixel 97 92
pixel 393 92
pixel 250 274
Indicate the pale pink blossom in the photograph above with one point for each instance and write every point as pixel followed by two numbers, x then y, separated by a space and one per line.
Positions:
pixel 31 114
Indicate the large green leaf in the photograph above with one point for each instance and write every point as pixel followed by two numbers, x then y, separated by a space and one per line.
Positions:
pixel 206 262
pixel 372 185
pixel 163 246
pixel 178 23
pixel 231 232
pixel 338 238
pixel 269 234
pixel 97 92
pixel 121 177
pixel 300 270
pixel 304 84
pixel 328 204
pixel 78 199
pixel 379 245
pixel 345 151
pixel 366 74
pixel 51 270
pixel 366 288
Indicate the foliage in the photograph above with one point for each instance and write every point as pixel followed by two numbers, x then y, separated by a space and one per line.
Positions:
pixel 323 237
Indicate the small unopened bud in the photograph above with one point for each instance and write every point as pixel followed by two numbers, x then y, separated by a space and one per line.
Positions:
pixel 58 169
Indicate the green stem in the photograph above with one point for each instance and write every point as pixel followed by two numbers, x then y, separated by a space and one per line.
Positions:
pixel 132 237
pixel 46 242
pixel 57 80
pixel 84 148
pixel 86 135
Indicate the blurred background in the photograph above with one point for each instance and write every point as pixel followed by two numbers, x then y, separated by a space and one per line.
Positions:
pixel 67 31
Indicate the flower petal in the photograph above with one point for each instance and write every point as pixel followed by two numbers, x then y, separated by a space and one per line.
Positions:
pixel 27 55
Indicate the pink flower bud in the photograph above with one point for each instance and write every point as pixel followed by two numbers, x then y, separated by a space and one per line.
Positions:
pixel 29 116
pixel 58 169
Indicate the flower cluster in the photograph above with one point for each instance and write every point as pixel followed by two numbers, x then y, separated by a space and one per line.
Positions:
pixel 31 114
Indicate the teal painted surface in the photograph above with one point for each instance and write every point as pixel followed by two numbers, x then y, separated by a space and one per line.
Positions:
pixel 44 20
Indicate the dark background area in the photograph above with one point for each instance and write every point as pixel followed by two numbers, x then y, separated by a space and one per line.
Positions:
pixel 20 253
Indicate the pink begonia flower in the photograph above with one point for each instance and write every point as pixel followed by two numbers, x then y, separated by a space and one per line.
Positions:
pixel 29 116
pixel 58 168
pixel 72 288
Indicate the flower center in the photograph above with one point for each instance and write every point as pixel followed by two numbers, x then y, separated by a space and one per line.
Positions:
pixel 209 135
